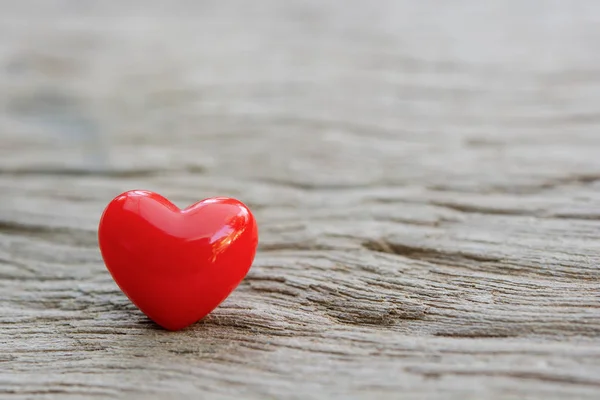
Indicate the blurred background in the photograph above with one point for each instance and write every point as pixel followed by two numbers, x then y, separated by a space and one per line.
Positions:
pixel 306 93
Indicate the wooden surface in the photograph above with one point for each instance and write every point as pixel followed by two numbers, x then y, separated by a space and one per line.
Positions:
pixel 426 176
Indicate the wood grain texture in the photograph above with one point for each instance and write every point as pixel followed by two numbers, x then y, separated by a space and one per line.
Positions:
pixel 426 177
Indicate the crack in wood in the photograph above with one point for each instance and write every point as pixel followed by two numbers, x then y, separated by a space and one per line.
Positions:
pixel 427 254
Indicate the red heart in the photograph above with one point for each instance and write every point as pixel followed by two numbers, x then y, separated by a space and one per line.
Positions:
pixel 176 265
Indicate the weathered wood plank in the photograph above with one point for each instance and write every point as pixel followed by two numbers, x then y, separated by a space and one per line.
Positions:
pixel 425 175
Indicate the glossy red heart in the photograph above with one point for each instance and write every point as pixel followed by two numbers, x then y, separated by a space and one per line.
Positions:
pixel 176 265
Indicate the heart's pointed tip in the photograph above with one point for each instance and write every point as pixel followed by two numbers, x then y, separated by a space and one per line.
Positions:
pixel 176 328
pixel 170 326
pixel 173 329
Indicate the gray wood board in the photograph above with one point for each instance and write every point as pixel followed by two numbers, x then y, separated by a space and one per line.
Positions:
pixel 426 177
